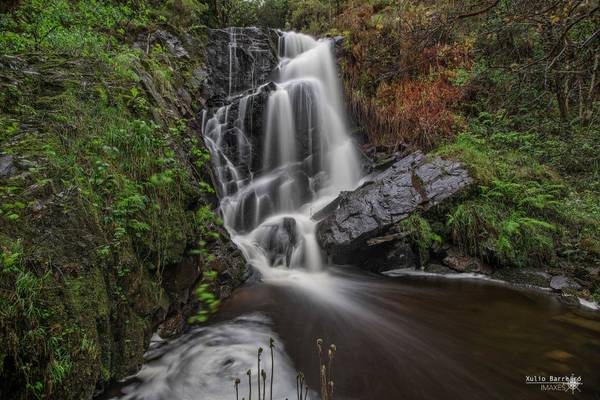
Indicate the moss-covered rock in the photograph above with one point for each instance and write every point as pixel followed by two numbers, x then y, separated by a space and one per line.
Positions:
pixel 107 220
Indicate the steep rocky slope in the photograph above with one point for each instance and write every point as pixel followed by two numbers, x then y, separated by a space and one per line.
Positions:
pixel 108 220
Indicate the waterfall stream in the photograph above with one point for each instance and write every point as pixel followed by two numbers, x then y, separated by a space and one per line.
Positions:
pixel 408 337
pixel 307 159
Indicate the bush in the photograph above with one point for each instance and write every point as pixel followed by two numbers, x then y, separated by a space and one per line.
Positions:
pixel 522 214
pixel 309 16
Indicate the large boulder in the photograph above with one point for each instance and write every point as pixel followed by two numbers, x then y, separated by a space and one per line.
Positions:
pixel 386 199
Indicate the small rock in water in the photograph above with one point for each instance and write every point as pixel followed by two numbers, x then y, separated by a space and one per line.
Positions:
pixel 561 282
pixel 279 240
pixel 464 263
pixel 558 355
pixel 390 255
pixel 438 269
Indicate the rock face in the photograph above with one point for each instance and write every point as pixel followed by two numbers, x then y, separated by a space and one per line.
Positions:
pixel 244 114
pixel 83 294
pixel 171 42
pixel 410 183
pixel 240 65
pixel 6 165
pixel 247 55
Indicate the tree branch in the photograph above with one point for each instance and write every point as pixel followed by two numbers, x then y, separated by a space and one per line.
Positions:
pixel 475 13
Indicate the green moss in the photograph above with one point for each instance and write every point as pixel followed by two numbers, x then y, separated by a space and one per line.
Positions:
pixel 420 233
pixel 88 294
pixel 522 213
pixel 108 199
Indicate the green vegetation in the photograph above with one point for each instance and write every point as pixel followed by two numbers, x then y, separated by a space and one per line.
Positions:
pixel 314 16
pixel 522 213
pixel 106 191
pixel 209 304
pixel 418 230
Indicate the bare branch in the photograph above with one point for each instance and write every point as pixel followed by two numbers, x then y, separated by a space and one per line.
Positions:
pixel 479 12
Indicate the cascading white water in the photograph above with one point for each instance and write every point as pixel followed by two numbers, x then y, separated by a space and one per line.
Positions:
pixel 307 158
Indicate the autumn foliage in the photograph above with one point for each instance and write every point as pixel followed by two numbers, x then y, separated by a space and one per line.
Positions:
pixel 400 75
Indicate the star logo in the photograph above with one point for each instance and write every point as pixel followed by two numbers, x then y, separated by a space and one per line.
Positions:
pixel 573 383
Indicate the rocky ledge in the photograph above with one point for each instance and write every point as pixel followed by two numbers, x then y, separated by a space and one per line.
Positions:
pixel 357 220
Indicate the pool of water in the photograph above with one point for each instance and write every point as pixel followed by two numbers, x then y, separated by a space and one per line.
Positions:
pixel 410 337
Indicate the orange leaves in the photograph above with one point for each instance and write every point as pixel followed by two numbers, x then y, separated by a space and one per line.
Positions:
pixel 413 110
pixel 420 110
pixel 399 69
pixel 443 56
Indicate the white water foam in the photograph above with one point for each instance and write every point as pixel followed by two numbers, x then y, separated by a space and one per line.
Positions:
pixel 307 158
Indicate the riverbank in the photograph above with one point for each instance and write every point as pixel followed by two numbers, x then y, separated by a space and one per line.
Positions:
pixel 526 280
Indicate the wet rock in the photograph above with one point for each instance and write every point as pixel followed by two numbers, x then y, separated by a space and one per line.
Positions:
pixel 179 280
pixel 171 326
pixel 7 167
pixel 170 42
pixel 389 197
pixel 37 206
pixel 390 255
pixel 247 55
pixel 438 269
pixel 183 101
pixel 569 300
pixel 279 240
pixel 522 276
pixel 199 76
pixel 561 282
pixel 338 45
pixel 18 65
pixel 461 262
pixel 543 275
pixel 243 113
pixel 151 88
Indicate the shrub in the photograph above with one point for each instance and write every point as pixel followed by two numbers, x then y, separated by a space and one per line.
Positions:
pixel 522 213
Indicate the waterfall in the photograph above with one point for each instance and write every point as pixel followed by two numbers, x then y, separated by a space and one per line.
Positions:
pixel 303 158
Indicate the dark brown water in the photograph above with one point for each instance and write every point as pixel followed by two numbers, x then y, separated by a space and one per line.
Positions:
pixel 397 338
